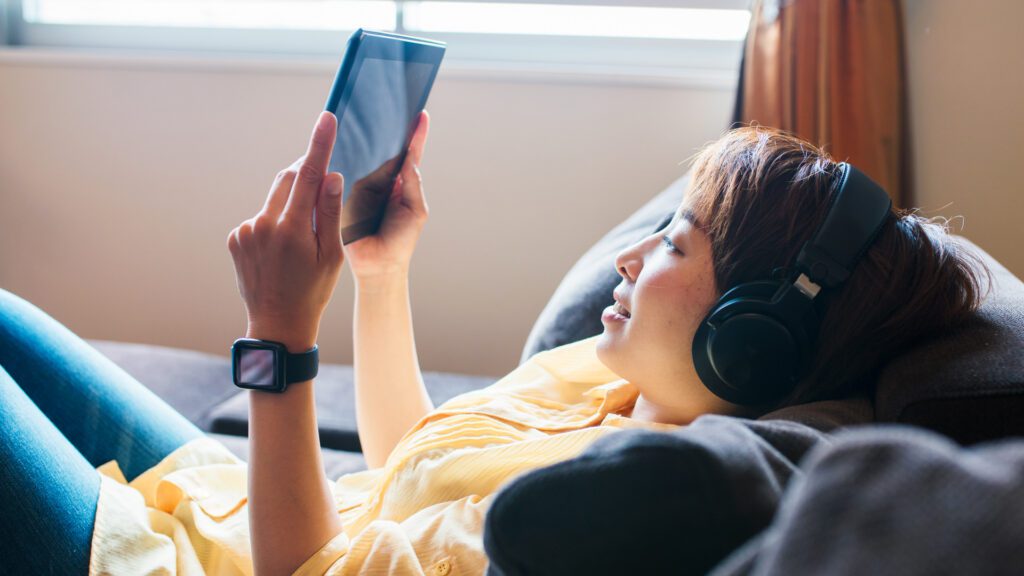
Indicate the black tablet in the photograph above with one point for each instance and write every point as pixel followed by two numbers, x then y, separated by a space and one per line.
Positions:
pixel 377 97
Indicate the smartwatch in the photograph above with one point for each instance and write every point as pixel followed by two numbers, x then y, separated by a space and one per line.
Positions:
pixel 267 365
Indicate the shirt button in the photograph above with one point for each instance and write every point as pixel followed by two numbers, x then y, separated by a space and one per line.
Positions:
pixel 443 567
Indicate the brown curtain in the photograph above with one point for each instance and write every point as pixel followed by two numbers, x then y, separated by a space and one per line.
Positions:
pixel 832 72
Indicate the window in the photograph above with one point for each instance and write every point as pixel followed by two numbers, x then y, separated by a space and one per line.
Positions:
pixel 665 36
pixel 576 20
pixel 295 14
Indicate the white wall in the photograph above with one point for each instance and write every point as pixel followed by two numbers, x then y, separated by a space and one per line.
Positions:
pixel 119 180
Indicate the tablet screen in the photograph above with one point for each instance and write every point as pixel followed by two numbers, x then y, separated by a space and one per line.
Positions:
pixel 372 129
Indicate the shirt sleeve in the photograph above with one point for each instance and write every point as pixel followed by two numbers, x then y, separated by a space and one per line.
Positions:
pixel 317 564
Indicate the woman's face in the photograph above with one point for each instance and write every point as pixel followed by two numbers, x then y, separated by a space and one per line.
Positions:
pixel 668 286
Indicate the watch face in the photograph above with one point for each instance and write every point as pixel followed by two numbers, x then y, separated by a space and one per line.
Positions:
pixel 256 367
pixel 258 364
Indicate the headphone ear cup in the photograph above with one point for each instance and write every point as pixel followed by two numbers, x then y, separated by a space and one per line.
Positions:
pixel 744 352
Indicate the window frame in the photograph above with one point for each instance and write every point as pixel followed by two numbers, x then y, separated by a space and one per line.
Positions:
pixel 711 63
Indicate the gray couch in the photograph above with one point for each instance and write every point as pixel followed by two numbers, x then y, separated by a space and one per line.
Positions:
pixel 199 386
pixel 967 383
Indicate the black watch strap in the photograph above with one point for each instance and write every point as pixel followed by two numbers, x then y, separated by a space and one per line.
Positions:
pixel 268 366
pixel 302 366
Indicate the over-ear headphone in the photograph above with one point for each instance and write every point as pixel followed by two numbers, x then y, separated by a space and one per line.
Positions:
pixel 757 341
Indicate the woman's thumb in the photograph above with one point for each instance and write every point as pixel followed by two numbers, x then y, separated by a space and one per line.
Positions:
pixel 328 211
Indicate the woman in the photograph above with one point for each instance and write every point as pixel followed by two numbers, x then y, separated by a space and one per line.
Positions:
pixel 756 197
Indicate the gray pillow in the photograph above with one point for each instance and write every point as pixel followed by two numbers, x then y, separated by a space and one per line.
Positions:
pixel 574 311
pixel 967 381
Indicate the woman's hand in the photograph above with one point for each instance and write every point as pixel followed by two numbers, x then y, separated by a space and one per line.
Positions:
pixel 286 270
pixel 389 251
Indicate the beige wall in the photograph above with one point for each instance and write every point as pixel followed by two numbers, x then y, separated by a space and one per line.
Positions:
pixel 966 72
pixel 120 178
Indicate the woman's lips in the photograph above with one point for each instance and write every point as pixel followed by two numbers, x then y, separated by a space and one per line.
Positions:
pixel 611 315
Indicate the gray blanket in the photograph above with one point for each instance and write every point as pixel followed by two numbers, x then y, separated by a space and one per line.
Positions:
pixel 896 500
pixel 644 502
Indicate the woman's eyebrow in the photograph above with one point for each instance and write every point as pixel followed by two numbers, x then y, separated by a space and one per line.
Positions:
pixel 691 217
pixel 688 215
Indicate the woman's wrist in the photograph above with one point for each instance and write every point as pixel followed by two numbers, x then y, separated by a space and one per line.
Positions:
pixel 382 282
pixel 295 339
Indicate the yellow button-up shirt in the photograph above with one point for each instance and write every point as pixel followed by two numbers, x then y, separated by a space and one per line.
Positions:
pixel 422 513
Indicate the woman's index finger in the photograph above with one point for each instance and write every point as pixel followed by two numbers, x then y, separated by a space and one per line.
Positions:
pixel 322 141
pixel 313 167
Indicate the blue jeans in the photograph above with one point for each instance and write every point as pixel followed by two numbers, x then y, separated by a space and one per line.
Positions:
pixel 65 409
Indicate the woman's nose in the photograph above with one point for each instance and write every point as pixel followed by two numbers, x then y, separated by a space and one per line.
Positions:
pixel 629 262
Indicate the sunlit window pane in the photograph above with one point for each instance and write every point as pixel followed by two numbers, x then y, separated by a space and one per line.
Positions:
pixel 301 14
pixel 572 20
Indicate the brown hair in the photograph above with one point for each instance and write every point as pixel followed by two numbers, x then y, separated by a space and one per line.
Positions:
pixel 760 193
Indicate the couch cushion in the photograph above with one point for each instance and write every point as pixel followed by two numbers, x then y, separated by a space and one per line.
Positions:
pixel 574 311
pixel 192 382
pixel 336 462
pixel 335 404
pixel 827 415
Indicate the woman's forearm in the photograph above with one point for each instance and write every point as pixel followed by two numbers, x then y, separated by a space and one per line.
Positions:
pixel 286 270
pixel 390 395
pixel 292 512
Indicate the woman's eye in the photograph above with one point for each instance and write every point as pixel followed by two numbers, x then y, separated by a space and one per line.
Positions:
pixel 668 242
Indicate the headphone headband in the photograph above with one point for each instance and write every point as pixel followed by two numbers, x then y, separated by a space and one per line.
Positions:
pixel 855 218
